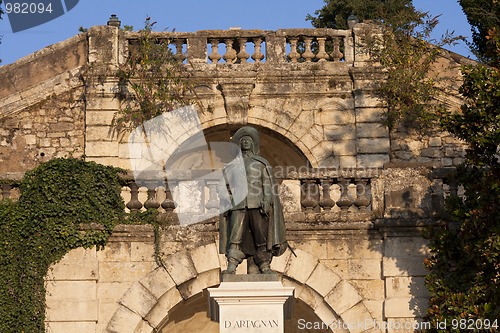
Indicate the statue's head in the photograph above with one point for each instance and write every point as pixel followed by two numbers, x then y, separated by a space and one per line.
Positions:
pixel 247 137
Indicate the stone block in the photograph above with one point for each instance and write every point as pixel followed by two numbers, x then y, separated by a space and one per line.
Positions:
pixel 358 318
pixel 339 133
pixel 103 104
pixel 363 248
pixel 370 289
pixel 371 130
pixel 338 266
pixel 279 264
pixel 336 117
pixel 405 307
pixel 115 251
pixel 435 142
pixel 301 267
pixel 76 310
pixel 404 266
pixel 98 149
pixel 158 313
pixel 78 264
pixel 316 246
pixel 112 291
pixel 431 152
pixel 372 160
pixel 99 117
pixel 142 251
pixel 138 299
pixel 343 297
pixel 338 248
pixel 367 100
pixel 124 271
pixel 65 327
pixel 406 247
pixel 347 162
pixel 180 267
pixel 144 327
pixel 202 281
pixel 158 282
pixel 347 147
pixel 371 115
pixel 366 269
pixel 123 321
pixel 205 258
pixel 375 308
pixel 373 146
pixel 405 287
pixel 99 133
pixel 323 279
pixel 71 290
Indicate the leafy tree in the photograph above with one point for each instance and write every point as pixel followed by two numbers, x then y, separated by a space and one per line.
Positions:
pixel 464 278
pixel 406 52
pixel 335 12
pixel 484 19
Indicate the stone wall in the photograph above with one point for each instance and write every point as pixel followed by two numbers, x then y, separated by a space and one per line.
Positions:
pixel 359 257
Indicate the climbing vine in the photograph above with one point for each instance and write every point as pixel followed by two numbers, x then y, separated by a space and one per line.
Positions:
pixel 57 199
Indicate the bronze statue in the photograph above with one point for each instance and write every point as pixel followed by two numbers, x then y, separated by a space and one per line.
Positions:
pixel 253 228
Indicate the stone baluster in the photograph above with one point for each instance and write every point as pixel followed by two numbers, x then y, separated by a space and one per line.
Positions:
pixel 309 202
pixel 294 56
pixel 213 202
pixel 326 202
pixel 214 56
pixel 308 55
pixel 6 188
pixel 179 56
pixel 134 204
pixel 362 199
pixel 230 56
pixel 151 202
pixel 257 55
pixel 322 55
pixel 243 55
pixel 168 204
pixel 344 201
pixel 336 54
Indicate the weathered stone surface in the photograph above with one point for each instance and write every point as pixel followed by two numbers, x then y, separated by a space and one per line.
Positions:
pixel 301 267
pixel 138 299
pixel 343 297
pixel 79 264
pixel 323 279
pixel 64 327
pixel 405 287
pixel 180 267
pixel 405 307
pixel 413 266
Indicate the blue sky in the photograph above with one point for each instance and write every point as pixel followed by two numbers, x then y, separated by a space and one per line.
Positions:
pixel 192 15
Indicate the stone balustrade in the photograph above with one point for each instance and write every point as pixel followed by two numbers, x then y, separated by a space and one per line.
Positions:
pixel 301 192
pixel 237 46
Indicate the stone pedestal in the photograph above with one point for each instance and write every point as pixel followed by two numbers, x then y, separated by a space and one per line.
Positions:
pixel 252 303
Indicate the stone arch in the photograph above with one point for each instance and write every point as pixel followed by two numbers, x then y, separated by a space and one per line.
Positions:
pixel 146 304
pixel 300 128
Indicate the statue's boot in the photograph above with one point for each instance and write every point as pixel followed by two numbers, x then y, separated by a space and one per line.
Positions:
pixel 252 267
pixel 234 257
pixel 263 259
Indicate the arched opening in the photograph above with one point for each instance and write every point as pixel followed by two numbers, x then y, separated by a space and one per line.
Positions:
pixel 192 316
pixel 193 153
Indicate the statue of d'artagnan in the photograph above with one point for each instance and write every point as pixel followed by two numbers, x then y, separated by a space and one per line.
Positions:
pixel 253 228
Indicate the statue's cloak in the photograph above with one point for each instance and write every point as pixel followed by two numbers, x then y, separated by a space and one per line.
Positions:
pixel 276 239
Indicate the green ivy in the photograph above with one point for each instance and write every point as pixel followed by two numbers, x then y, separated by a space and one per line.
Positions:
pixel 57 199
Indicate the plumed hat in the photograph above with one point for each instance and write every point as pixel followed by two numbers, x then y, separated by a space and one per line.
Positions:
pixel 251 132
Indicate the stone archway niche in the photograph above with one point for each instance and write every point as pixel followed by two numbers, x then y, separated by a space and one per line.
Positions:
pixel 192 316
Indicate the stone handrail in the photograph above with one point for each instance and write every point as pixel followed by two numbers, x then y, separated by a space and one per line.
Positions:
pixel 242 46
